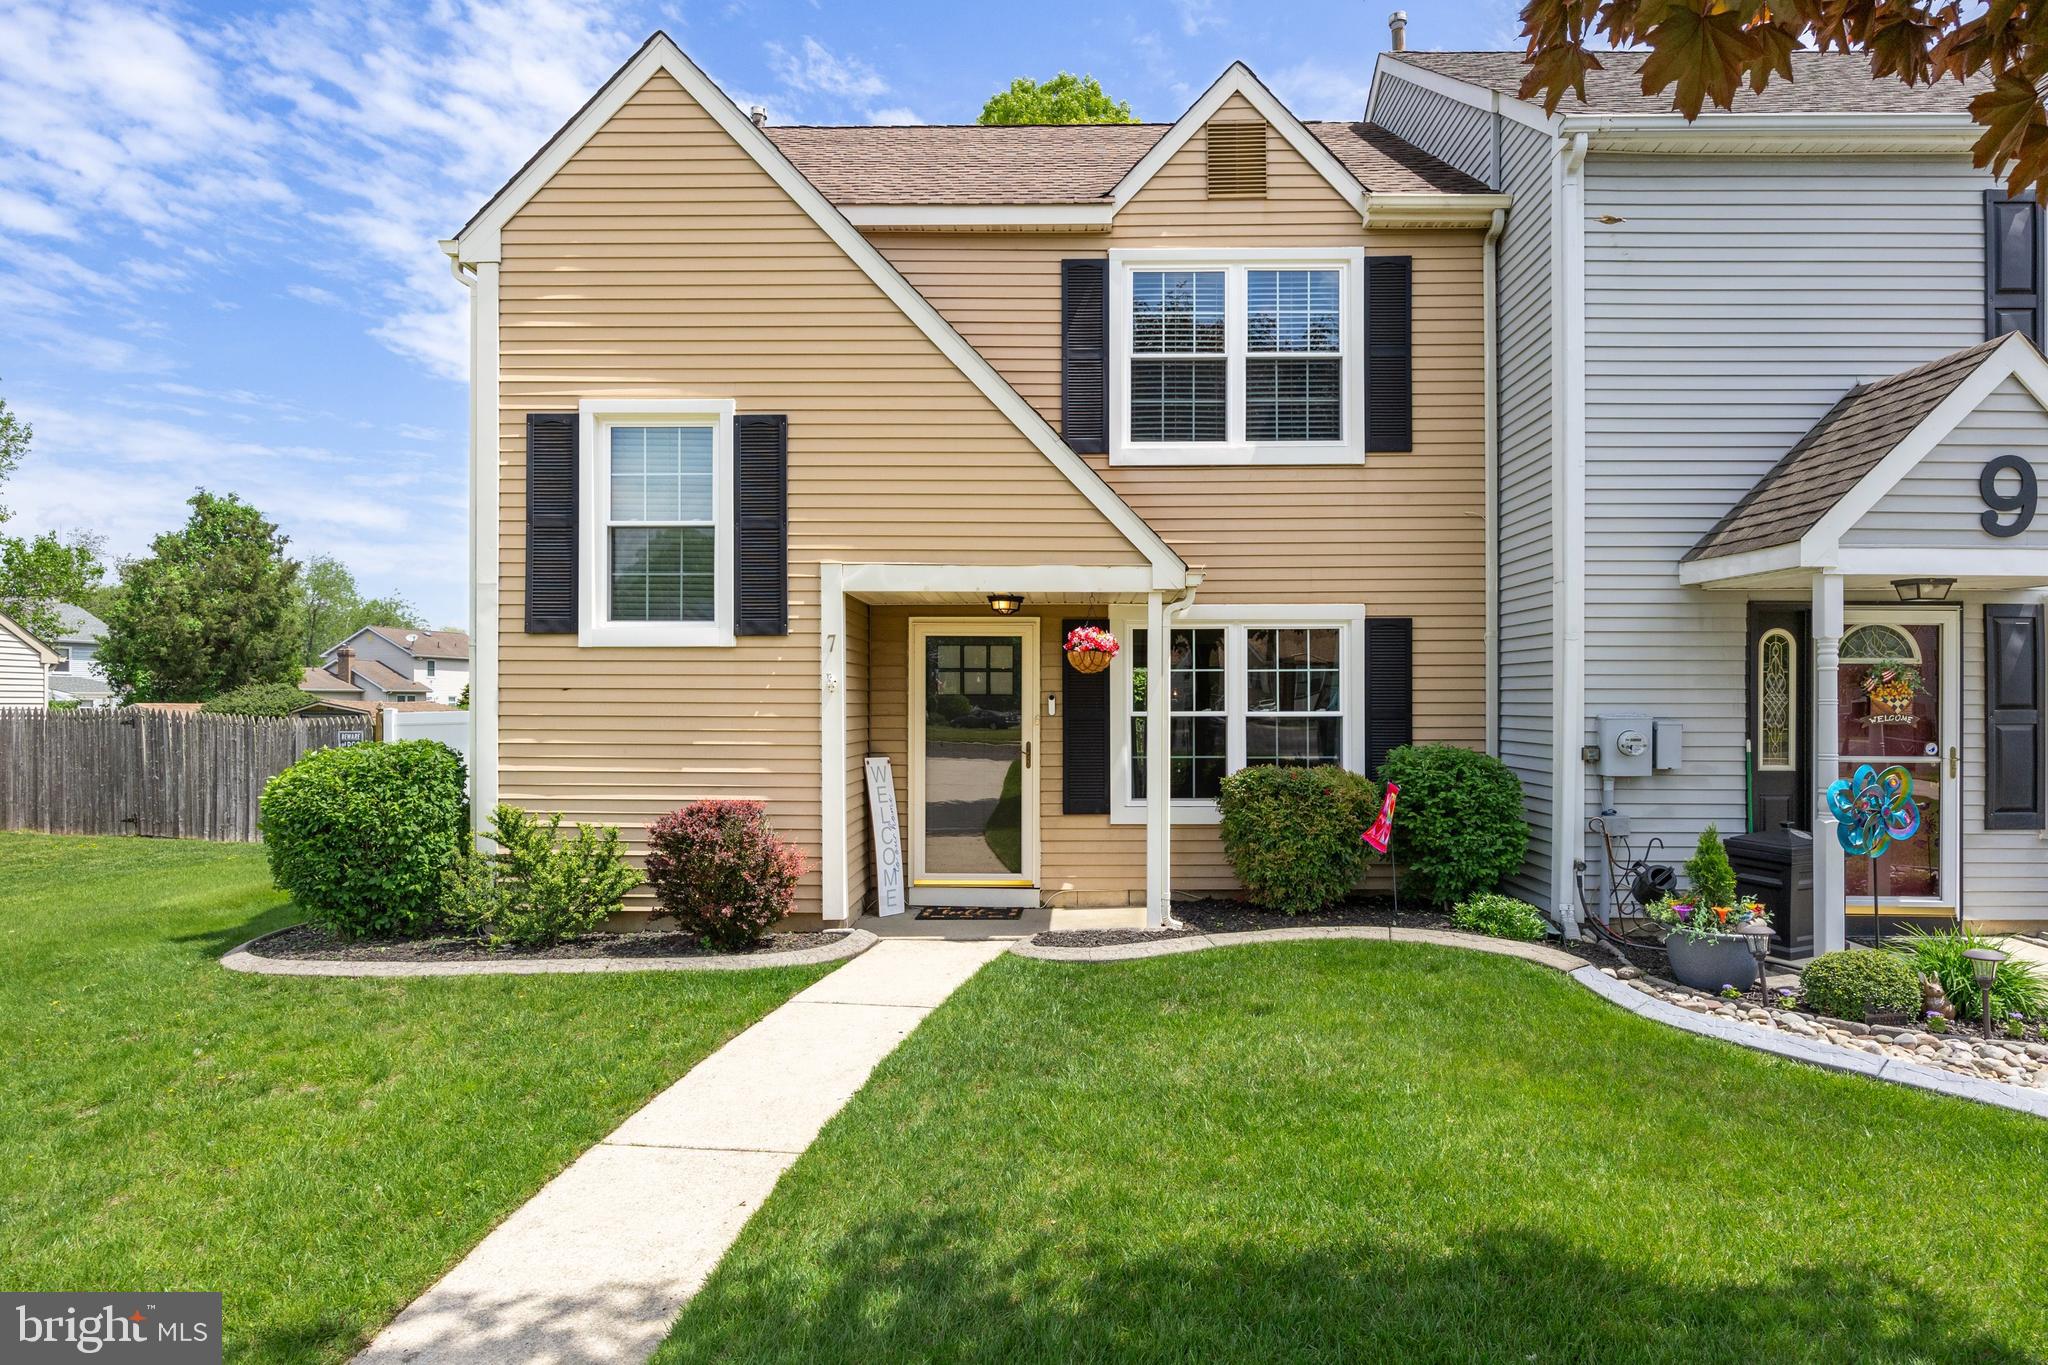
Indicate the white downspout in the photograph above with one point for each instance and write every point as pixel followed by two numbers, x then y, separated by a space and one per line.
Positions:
pixel 1568 545
pixel 478 273
pixel 1491 359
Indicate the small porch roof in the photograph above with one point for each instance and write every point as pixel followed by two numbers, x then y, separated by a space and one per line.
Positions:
pixel 968 585
pixel 1793 521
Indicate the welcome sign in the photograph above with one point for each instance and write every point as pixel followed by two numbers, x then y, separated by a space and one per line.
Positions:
pixel 888 838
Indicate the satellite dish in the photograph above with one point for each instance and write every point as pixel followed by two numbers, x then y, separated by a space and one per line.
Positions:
pixel 411 638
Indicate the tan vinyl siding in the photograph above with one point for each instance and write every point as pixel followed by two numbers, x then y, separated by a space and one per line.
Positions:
pixel 1299 209
pixel 662 262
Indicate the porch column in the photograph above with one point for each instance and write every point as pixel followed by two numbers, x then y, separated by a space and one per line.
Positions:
pixel 1830 917
pixel 835 892
pixel 1158 765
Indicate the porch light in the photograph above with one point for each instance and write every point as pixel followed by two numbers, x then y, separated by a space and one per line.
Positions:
pixel 1984 967
pixel 1922 589
pixel 1757 934
pixel 1006 603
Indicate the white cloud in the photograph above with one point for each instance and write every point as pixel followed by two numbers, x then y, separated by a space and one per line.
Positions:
pixel 816 69
pixel 896 115
pixel 1197 15
pixel 313 293
pixel 1315 91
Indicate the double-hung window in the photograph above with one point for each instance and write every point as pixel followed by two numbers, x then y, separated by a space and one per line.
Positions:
pixel 1279 686
pixel 657 522
pixel 1237 357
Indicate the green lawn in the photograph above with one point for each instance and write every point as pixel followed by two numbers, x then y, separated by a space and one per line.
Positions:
pixel 1355 1151
pixel 318 1150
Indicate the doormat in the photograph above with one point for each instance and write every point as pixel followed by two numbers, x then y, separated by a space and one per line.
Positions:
pixel 970 912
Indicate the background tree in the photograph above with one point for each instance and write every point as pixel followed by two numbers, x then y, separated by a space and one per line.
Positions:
pixel 212 607
pixel 332 608
pixel 1703 50
pixel 36 575
pixel 14 439
pixel 1066 98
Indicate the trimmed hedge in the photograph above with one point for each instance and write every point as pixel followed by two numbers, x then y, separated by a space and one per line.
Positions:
pixel 1459 831
pixel 361 837
pixel 1855 983
pixel 1291 834
pixel 1500 917
pixel 539 888
pixel 260 699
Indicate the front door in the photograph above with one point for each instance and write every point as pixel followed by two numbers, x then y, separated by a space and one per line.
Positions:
pixel 1780 762
pixel 974 762
pixel 1900 702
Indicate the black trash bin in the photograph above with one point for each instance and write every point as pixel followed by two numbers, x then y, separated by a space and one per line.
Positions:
pixel 1776 867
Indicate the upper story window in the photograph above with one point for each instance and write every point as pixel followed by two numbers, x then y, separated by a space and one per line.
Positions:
pixel 430 668
pixel 1237 357
pixel 63 664
pixel 657 500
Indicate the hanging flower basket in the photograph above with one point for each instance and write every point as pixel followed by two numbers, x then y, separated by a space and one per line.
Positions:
pixel 1090 648
pixel 1891 687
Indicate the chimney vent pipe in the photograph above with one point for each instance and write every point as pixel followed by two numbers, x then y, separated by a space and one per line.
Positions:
pixel 1397 22
pixel 759 114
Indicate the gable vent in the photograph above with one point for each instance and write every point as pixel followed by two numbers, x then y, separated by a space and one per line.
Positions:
pixel 1237 160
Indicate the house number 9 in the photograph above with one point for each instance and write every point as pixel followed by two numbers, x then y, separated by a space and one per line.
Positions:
pixel 2021 503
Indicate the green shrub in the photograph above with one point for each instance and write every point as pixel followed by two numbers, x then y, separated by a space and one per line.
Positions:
pixel 1855 983
pixel 721 872
pixel 2017 989
pixel 1501 917
pixel 361 837
pixel 1709 872
pixel 260 699
pixel 1291 834
pixel 1458 824
pixel 537 889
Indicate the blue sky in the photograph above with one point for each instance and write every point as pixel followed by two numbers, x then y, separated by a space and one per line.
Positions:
pixel 217 223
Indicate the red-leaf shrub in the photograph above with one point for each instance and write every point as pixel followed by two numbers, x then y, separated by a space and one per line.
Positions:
pixel 720 871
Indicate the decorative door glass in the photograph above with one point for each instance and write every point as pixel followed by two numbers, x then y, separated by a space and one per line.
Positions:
pixel 973 756
pixel 1889 710
pixel 1777 702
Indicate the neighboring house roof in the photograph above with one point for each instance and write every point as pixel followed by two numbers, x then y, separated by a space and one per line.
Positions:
pixel 1864 426
pixel 660 53
pixel 77 626
pixel 80 685
pixel 1822 83
pixel 422 644
pixel 345 705
pixel 8 626
pixel 1038 164
pixel 387 678
pixel 324 684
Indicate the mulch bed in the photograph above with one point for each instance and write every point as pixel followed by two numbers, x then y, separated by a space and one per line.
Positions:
pixel 1221 918
pixel 306 941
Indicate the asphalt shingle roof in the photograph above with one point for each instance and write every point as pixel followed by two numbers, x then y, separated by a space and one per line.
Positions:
pixel 1053 164
pixel 1822 83
pixel 1832 458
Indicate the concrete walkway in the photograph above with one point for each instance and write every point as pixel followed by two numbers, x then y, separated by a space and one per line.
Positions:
pixel 596 1266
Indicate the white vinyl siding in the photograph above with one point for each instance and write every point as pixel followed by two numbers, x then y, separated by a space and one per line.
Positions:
pixel 1939 504
pixel 24 680
pixel 1729 307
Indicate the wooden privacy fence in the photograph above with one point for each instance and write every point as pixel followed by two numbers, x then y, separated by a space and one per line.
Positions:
pixel 159 773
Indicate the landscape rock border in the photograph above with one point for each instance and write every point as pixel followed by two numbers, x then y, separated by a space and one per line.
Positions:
pixel 1777 1042
pixel 241 959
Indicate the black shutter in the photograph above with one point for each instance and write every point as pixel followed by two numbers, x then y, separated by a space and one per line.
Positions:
pixel 1084 735
pixel 2012 266
pixel 761 549
pixel 2013 682
pixel 1389 687
pixel 1084 354
pixel 1390 353
pixel 551 474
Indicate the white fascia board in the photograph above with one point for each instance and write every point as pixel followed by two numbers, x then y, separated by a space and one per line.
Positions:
pixel 1724 134
pixel 1001 217
pixel 1433 210
pixel 1510 107
pixel 2010 566
pixel 1041 580
pixel 46 656
pixel 1239 80
pixel 661 54
pixel 1727 570
pixel 2015 358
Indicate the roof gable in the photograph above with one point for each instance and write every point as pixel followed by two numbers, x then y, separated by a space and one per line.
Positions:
pixel 14 630
pixel 479 240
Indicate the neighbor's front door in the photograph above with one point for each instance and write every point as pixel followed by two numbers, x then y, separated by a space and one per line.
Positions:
pixel 1900 702
pixel 974 761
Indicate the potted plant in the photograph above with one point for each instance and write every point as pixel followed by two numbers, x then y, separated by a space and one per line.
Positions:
pixel 1090 648
pixel 1705 943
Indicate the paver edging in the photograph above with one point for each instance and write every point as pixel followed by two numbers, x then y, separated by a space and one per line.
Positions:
pixel 240 959
pixel 1777 1042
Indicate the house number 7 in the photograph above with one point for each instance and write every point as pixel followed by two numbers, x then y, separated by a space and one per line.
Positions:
pixel 2021 503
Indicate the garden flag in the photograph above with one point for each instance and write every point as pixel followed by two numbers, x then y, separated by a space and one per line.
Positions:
pixel 1382 832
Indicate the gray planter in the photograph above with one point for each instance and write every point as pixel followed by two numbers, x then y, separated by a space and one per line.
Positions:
pixel 1708 964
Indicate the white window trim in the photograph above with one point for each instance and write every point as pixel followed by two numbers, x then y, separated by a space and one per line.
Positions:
pixel 594 626
pixel 1125 620
pixel 63 653
pixel 1349 262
